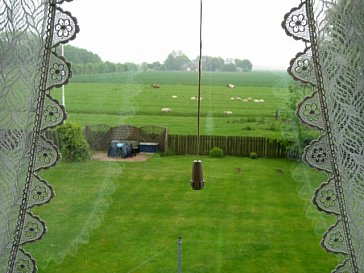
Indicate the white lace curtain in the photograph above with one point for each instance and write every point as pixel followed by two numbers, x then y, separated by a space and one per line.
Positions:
pixel 332 62
pixel 29 69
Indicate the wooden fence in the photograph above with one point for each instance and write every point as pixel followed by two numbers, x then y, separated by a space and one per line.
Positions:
pixel 232 145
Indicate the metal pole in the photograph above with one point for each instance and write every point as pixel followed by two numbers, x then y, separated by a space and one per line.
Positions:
pixel 179 253
pixel 63 95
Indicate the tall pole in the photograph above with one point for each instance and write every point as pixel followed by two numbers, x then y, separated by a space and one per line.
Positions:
pixel 63 95
pixel 179 253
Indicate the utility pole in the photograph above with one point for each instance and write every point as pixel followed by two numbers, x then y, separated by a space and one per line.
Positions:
pixel 179 253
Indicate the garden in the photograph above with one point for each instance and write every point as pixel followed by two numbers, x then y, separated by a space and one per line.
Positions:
pixel 254 214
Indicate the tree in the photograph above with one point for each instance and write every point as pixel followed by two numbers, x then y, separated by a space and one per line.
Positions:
pixel 211 63
pixel 245 65
pixel 176 61
pixel 77 55
pixel 156 66
pixel 229 67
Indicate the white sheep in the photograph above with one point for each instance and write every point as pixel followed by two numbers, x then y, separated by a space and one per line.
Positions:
pixel 228 113
pixel 244 100
pixel 193 98
pixel 255 100
pixel 232 98
pixel 237 98
pixel 261 100
pixel 166 110
pixel 174 97
pixel 230 85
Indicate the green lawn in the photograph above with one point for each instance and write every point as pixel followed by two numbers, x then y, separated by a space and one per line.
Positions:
pixel 125 98
pixel 126 217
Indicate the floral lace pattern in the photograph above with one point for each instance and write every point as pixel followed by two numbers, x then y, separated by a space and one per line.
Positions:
pixel 311 111
pixel 53 113
pixel 298 23
pixel 333 64
pixel 328 198
pixel 63 27
pixel 33 29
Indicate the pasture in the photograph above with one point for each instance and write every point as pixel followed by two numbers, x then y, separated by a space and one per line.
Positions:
pixel 128 98
pixel 119 217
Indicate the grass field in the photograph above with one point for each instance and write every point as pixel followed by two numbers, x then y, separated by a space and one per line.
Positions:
pixel 128 98
pixel 254 78
pixel 126 217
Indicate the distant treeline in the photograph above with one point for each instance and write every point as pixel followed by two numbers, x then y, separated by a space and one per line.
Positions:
pixel 86 62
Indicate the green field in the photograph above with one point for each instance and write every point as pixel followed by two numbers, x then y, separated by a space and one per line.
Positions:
pixel 254 78
pixel 128 98
pixel 126 217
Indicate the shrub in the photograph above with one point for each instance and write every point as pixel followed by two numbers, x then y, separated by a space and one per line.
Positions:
pixel 253 155
pixel 216 152
pixel 74 146
pixel 168 153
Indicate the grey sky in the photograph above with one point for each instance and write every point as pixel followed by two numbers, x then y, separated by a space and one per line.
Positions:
pixel 147 30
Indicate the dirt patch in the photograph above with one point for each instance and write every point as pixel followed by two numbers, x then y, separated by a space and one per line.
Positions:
pixel 103 157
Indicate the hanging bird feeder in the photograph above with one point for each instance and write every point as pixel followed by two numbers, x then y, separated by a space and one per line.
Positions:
pixel 197 181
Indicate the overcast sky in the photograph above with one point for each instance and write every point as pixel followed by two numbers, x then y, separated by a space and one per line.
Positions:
pixel 148 30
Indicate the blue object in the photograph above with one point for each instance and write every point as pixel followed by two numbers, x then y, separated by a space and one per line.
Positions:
pixel 120 149
pixel 148 147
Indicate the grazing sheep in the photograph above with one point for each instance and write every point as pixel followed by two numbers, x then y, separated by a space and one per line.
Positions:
pixel 193 98
pixel 230 85
pixel 232 98
pixel 228 113
pixel 166 110
pixel 255 100
pixel 261 100
pixel 244 100
pixel 237 98
pixel 174 97
pixel 156 85
pixel 249 99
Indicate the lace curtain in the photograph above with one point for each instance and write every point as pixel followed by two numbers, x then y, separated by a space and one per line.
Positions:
pixel 29 70
pixel 332 62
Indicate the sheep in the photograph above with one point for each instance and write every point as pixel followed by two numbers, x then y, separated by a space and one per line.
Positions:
pixel 166 110
pixel 255 100
pixel 237 98
pixel 232 98
pixel 174 97
pixel 193 98
pixel 156 85
pixel 230 85
pixel 228 113
pixel 244 100
pixel 261 100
